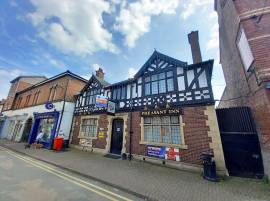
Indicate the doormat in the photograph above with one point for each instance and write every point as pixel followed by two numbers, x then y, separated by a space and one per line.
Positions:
pixel 113 156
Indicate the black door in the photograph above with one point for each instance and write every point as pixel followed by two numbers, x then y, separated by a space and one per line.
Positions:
pixel 117 136
pixel 240 142
pixel 27 130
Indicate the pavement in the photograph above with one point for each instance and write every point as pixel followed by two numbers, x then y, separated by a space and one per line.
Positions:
pixel 25 179
pixel 146 180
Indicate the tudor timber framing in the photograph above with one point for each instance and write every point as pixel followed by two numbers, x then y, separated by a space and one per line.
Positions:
pixel 197 87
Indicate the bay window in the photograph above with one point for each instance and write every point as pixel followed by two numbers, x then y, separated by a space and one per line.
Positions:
pixel 159 83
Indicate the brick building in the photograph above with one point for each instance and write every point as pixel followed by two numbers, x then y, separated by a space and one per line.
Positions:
pixel 165 113
pixel 46 106
pixel 244 30
pixel 18 84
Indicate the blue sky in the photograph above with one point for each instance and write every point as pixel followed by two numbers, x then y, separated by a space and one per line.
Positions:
pixel 47 37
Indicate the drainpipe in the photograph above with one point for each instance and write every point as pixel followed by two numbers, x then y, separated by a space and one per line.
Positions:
pixel 130 124
pixel 62 112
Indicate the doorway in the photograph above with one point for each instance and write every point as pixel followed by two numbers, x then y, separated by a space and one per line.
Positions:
pixel 117 136
pixel 27 130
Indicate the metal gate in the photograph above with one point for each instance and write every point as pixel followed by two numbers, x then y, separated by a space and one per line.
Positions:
pixel 240 142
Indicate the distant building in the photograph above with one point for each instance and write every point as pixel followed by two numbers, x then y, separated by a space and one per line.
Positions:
pixel 166 112
pixel 46 107
pixel 244 30
pixel 18 84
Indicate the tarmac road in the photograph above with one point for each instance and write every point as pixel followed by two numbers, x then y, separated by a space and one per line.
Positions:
pixel 25 179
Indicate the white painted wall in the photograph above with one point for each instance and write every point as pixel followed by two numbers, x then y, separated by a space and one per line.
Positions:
pixel 28 112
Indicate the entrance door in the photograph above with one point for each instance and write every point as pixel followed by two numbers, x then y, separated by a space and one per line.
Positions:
pixel 117 136
pixel 27 130
pixel 240 142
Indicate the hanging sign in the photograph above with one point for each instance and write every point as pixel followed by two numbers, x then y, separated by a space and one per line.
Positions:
pixel 111 107
pixel 172 154
pixel 101 101
pixel 157 152
pixel 158 112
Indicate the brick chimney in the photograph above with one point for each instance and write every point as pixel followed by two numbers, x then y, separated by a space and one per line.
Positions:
pixel 100 74
pixel 193 39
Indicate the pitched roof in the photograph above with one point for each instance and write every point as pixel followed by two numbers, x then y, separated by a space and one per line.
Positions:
pixel 159 55
pixel 27 76
pixel 54 78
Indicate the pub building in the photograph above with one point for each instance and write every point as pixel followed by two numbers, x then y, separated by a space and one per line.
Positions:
pixel 165 114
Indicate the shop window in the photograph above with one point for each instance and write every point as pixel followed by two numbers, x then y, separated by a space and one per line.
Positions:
pixel 89 128
pixel 159 83
pixel 165 129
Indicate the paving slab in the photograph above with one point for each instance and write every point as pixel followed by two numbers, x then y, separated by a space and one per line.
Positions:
pixel 152 181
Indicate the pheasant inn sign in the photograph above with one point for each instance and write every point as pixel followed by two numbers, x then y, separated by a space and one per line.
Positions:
pixel 158 112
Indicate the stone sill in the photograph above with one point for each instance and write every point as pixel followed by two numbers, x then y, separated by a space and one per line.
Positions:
pixel 181 146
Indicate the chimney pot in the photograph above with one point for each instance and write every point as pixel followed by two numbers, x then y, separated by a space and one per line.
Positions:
pixel 193 39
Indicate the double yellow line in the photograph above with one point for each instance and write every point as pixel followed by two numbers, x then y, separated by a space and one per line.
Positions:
pixel 77 181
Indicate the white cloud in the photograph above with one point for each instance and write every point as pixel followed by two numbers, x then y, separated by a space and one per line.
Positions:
pixel 6 76
pixel 58 64
pixel 213 43
pixel 135 18
pixel 73 26
pixel 132 72
pixel 189 7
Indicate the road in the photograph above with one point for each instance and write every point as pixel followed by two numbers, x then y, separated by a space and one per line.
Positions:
pixel 25 179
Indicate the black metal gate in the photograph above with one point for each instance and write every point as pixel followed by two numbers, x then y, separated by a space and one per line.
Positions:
pixel 240 142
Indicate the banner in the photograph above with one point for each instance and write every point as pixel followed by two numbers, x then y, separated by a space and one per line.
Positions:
pixel 101 101
pixel 157 152
pixel 172 154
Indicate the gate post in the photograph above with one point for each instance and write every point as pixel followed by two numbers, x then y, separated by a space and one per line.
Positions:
pixel 215 143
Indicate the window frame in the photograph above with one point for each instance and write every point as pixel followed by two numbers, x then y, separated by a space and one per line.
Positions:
pixel 147 80
pixel 181 125
pixel 82 134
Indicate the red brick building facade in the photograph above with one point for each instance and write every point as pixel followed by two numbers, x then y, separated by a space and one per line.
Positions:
pixel 244 28
pixel 165 114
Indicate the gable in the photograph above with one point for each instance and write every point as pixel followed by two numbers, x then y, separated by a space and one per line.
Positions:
pixel 158 62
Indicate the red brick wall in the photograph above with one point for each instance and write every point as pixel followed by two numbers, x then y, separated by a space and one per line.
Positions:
pixel 195 134
pixel 102 124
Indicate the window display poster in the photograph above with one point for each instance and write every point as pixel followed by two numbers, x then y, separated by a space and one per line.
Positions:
pixel 157 152
pixel 172 154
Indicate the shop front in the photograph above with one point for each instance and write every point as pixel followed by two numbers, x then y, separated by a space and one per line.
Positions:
pixel 45 123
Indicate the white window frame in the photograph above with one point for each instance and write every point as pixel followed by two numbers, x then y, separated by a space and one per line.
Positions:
pixel 244 50
pixel 83 134
pixel 182 145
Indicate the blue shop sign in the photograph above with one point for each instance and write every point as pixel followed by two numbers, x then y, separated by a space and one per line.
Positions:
pixel 49 105
pixel 157 152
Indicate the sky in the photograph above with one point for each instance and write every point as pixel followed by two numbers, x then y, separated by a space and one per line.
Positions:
pixel 47 37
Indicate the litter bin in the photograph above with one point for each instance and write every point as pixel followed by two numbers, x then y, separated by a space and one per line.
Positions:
pixel 209 167
pixel 58 143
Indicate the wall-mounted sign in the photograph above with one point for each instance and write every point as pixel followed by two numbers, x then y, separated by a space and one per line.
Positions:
pixel 49 105
pixel 111 107
pixel 101 134
pixel 101 101
pixel 158 112
pixel 157 152
pixel 172 154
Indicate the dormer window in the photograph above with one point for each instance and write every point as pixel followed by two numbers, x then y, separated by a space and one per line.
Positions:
pixel 159 83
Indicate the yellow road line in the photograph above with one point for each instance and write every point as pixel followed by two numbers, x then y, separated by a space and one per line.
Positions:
pixel 68 177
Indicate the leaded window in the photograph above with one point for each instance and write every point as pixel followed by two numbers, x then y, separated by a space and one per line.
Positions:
pixel 162 129
pixel 159 83
pixel 89 127
pixel 120 93
pixel 90 97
